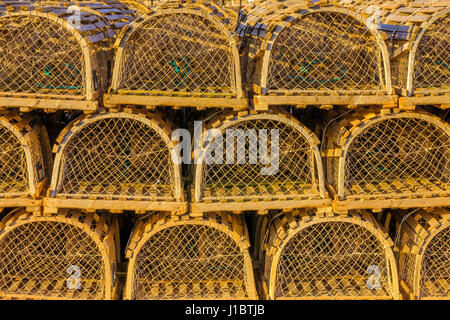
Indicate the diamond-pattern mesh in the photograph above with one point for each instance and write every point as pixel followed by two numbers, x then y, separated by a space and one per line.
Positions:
pixel 332 259
pixel 432 65
pixel 117 156
pixel 326 51
pixel 295 174
pixel 39 56
pixel 178 52
pixel 435 274
pixel 190 262
pixel 13 165
pixel 395 156
pixel 36 257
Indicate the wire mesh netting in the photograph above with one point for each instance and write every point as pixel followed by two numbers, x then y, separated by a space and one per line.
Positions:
pixel 398 155
pixel 177 52
pixel 435 273
pixel 335 260
pixel 325 51
pixel 39 55
pixel 13 165
pixel 432 65
pixel 282 163
pixel 117 156
pixel 51 259
pixel 190 262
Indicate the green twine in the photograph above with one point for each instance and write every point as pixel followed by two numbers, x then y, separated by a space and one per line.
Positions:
pixel 182 74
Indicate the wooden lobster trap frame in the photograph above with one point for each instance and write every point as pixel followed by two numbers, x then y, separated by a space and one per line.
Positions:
pixel 417 37
pixel 425 245
pixel 185 257
pixel 52 59
pixel 308 255
pixel 116 161
pixel 381 158
pixel 429 63
pixel 180 55
pixel 317 54
pixel 25 161
pixel 67 256
pixel 245 184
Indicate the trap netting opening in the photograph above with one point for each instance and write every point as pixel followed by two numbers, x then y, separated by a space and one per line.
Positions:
pixel 262 156
pixel 53 258
pixel 123 156
pixel 325 51
pixel 178 51
pixel 40 55
pixel 335 259
pixel 398 155
pixel 192 261
pixel 13 165
pixel 424 260
pixel 432 58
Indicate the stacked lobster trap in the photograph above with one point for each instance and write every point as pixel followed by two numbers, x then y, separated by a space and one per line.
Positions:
pixel 203 257
pixel 257 161
pixel 348 203
pixel 52 59
pixel 116 161
pixel 25 162
pixel 182 54
pixel 304 53
pixel 67 256
pixel 304 254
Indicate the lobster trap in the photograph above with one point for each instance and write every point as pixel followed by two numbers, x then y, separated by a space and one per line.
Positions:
pixel 52 58
pixel 25 161
pixel 258 161
pixel 180 55
pixel 424 258
pixel 381 159
pixel 308 255
pixel 116 161
pixel 173 257
pixel 316 54
pixel 67 256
